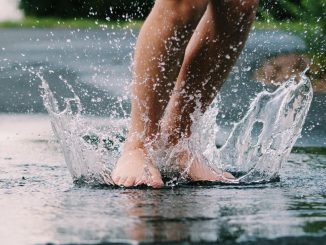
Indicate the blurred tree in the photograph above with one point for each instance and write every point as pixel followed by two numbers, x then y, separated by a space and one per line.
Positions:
pixel 315 11
pixel 111 9
pixel 294 10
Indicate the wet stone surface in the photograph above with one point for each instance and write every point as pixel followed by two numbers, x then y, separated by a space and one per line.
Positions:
pixel 39 204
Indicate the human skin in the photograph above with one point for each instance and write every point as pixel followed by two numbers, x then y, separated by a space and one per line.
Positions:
pixel 184 52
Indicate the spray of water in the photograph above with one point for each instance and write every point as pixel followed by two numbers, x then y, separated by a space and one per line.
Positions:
pixel 263 139
pixel 254 151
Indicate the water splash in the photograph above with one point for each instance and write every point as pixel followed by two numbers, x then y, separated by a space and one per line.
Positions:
pixel 263 139
pixel 254 151
pixel 90 151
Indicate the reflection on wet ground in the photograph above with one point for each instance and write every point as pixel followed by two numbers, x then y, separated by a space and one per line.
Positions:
pixel 39 203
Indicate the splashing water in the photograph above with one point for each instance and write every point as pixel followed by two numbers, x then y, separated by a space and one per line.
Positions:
pixel 89 154
pixel 263 139
pixel 254 151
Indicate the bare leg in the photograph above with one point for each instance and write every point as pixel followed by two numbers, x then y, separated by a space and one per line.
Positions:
pixel 210 55
pixel 158 57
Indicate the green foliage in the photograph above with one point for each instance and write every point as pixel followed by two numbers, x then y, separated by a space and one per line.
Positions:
pixel 280 10
pixel 313 11
pixel 99 9
pixel 54 22
pixel 312 16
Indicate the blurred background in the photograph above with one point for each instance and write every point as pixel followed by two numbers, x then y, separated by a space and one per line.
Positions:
pixel 305 18
pixel 90 43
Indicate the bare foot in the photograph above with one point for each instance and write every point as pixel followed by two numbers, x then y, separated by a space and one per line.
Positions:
pixel 197 169
pixel 134 169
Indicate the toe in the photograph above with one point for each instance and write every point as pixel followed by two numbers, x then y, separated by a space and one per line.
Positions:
pixel 157 185
pixel 122 181
pixel 228 176
pixel 140 181
pixel 130 181
pixel 156 182
pixel 116 179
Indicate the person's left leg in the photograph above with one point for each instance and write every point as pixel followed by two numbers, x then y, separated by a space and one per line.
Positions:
pixel 210 55
pixel 158 56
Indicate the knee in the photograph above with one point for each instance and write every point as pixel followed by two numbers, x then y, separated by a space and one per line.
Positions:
pixel 186 11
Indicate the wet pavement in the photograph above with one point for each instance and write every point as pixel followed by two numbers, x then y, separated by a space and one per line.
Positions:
pixel 40 204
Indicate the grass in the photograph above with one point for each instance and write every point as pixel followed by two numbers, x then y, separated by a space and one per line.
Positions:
pixel 54 22
pixel 48 22
pixel 310 150
pixel 288 26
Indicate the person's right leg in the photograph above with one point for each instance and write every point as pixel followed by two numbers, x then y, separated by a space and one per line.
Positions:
pixel 158 57
pixel 210 55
